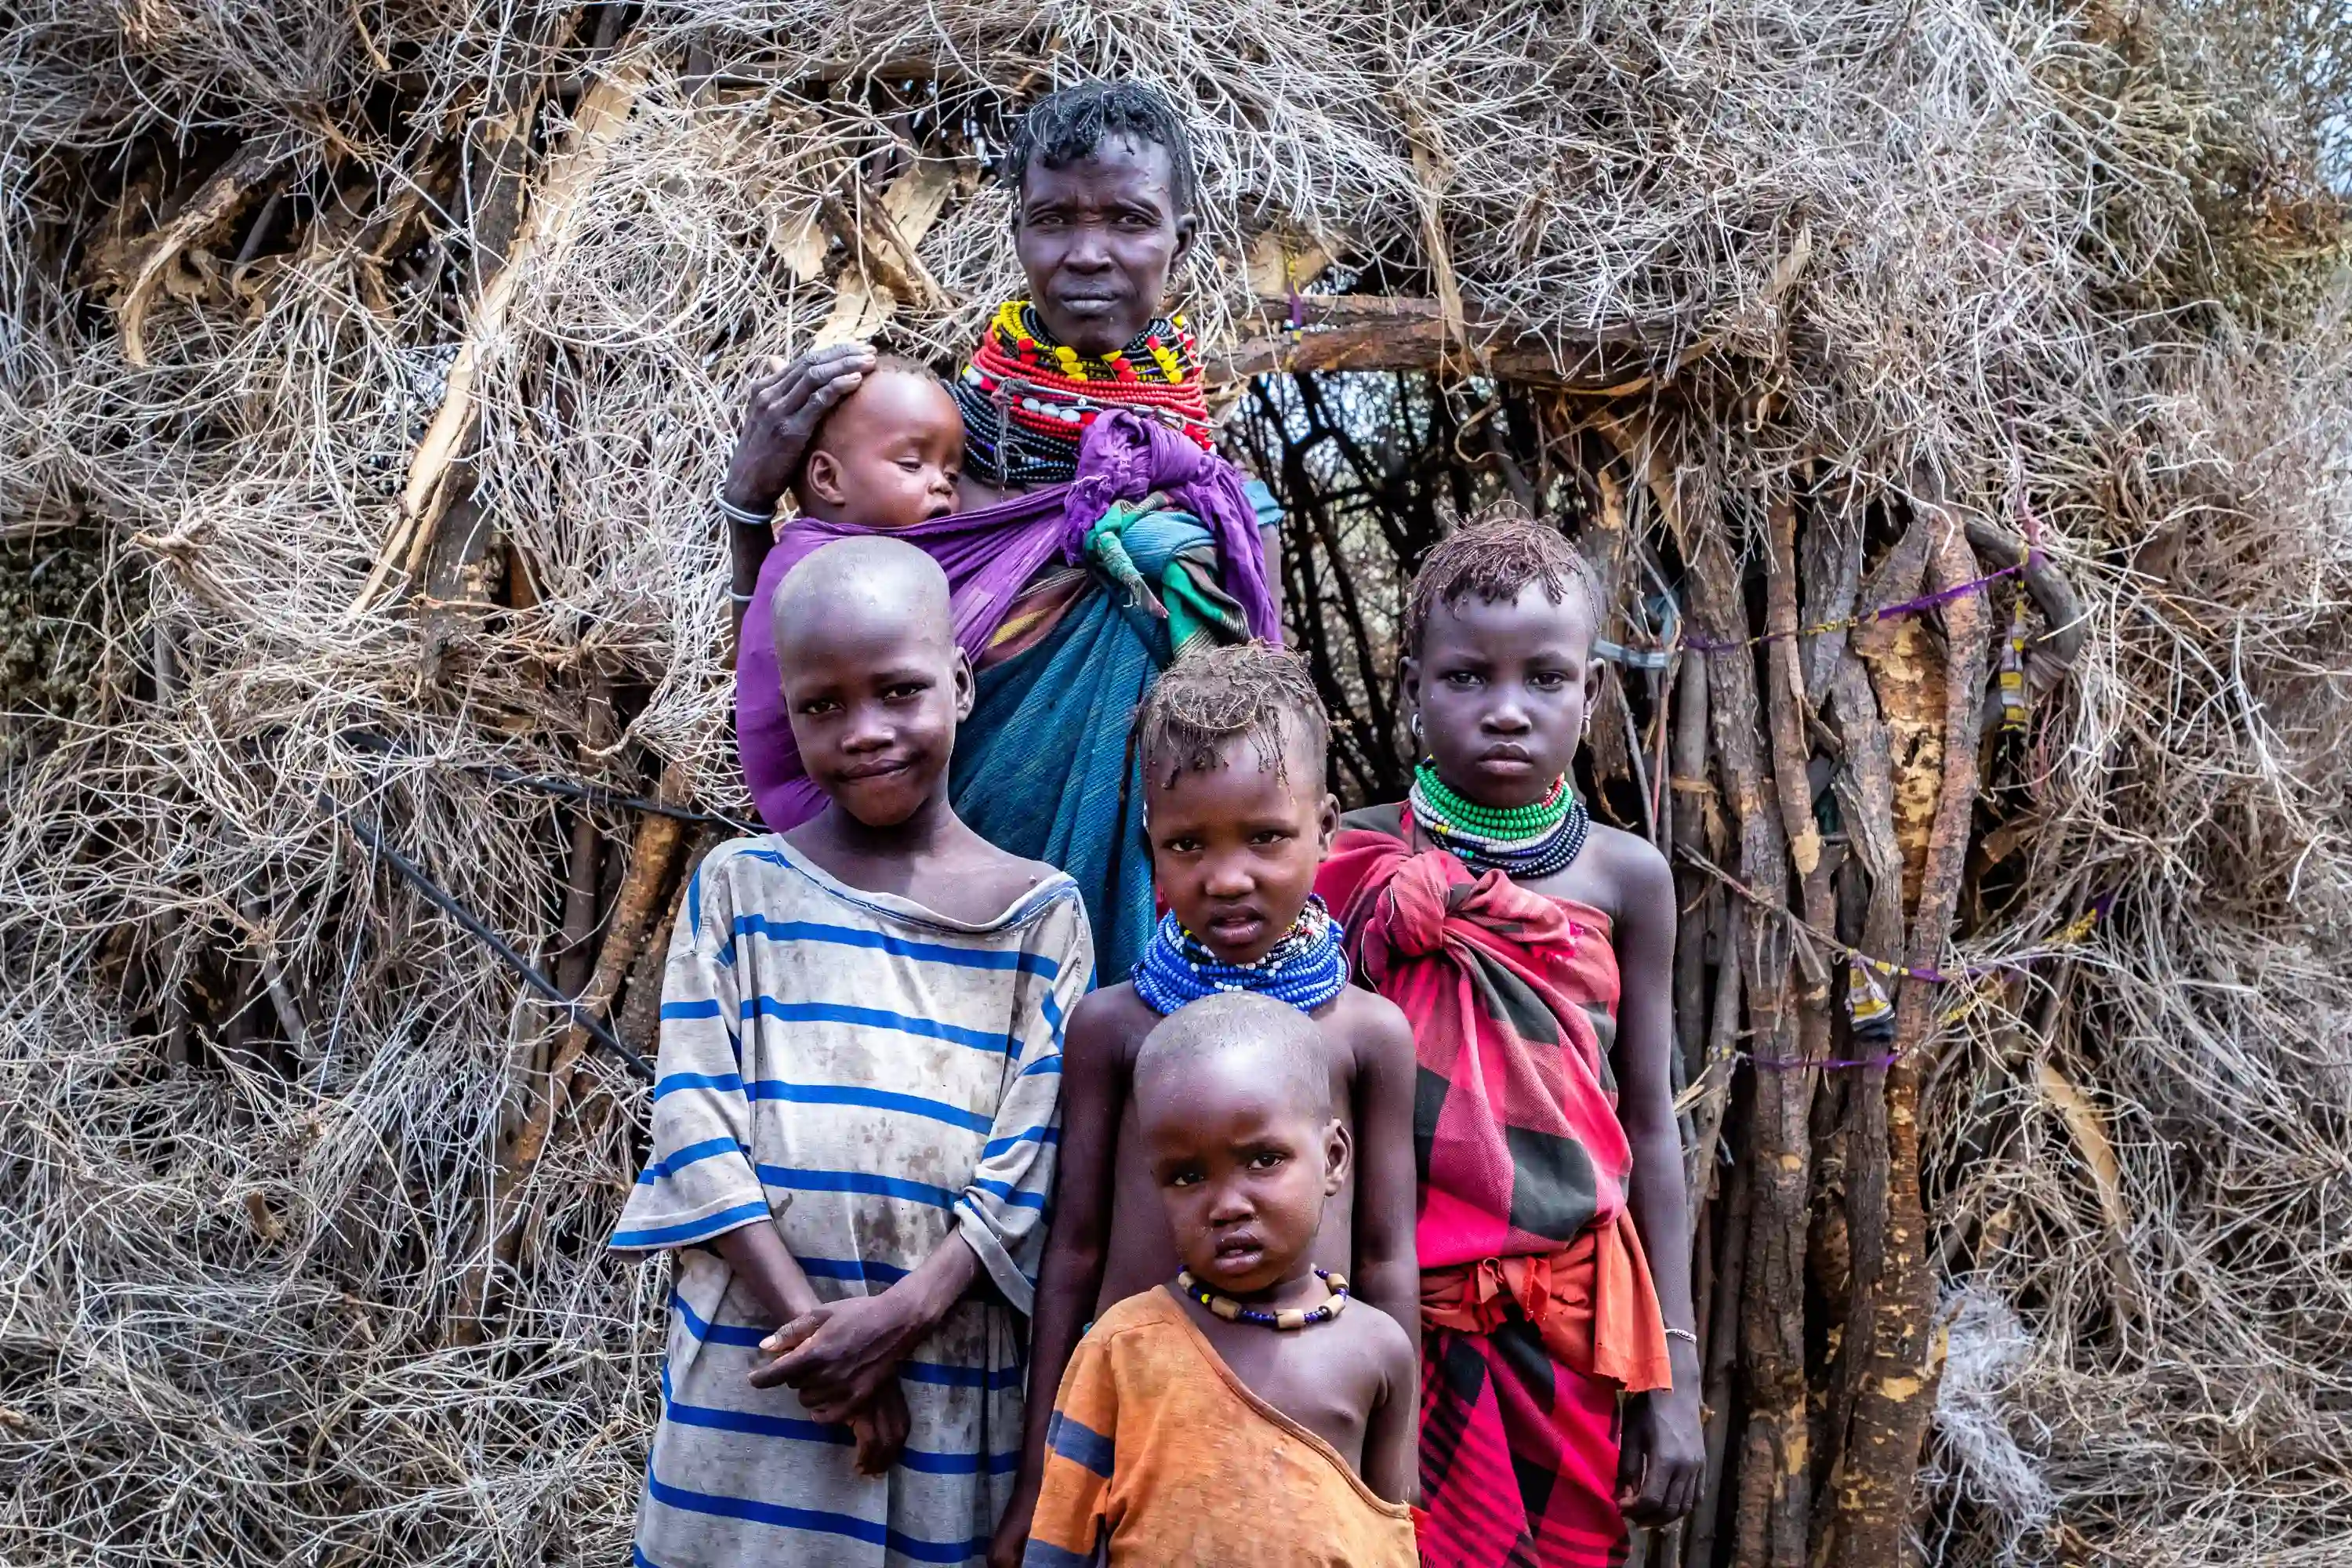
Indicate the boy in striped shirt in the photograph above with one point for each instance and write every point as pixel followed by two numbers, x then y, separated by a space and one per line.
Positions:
pixel 855 1120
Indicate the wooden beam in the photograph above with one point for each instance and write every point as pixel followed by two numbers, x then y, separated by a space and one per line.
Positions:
pixel 1369 332
pixel 545 235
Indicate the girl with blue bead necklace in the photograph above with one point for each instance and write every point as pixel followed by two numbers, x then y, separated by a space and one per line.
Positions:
pixel 1231 745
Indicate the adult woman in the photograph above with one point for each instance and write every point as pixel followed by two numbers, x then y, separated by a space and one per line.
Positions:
pixel 1079 401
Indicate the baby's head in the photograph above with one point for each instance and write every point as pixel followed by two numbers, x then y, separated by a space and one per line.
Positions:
pixel 1231 743
pixel 873 683
pixel 1234 1100
pixel 889 452
pixel 1498 664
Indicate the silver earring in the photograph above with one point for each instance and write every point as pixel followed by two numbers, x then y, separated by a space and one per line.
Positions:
pixel 1413 725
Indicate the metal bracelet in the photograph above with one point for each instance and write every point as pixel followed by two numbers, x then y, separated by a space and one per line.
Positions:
pixel 743 515
pixel 1673 1333
pixel 742 598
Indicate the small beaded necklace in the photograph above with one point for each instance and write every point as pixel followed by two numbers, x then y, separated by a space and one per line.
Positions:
pixel 1523 842
pixel 1233 1311
pixel 1305 969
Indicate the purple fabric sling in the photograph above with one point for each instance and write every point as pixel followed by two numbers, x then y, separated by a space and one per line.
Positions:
pixel 988 555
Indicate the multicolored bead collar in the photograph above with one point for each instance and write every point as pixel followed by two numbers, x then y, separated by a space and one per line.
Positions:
pixel 1306 968
pixel 1027 400
pixel 1234 1311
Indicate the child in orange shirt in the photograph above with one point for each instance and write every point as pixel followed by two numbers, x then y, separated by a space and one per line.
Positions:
pixel 1248 1413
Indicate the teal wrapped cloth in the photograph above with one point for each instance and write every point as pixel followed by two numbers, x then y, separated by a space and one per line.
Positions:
pixel 1042 767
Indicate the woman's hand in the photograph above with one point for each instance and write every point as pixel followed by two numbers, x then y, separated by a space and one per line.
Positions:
pixel 781 411
pixel 838 1355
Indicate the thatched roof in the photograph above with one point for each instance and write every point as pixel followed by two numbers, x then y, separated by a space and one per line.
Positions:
pixel 381 356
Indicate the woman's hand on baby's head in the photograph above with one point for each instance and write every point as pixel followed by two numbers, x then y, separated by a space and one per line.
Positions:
pixel 782 409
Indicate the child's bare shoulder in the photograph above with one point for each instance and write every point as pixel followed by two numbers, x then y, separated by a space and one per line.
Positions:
pixel 1113 1019
pixel 1629 871
pixel 1368 1029
pixel 1382 1342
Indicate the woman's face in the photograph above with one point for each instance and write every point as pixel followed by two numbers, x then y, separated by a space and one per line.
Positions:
pixel 1097 239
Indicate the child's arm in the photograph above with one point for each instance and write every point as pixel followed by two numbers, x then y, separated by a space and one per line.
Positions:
pixel 1387 1273
pixel 1094 1093
pixel 842 1354
pixel 760 1259
pixel 1071 1523
pixel 1662 1456
pixel 1393 1430
pixel 699 1185
pixel 839 1355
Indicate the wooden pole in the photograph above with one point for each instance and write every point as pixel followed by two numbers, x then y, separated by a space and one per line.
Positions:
pixel 1895 1388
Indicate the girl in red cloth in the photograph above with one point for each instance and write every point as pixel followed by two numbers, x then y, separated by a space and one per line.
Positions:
pixel 1531 948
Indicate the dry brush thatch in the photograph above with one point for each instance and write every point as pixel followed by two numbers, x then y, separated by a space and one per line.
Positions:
pixel 368 365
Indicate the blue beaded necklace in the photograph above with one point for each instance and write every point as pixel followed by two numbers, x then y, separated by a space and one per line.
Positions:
pixel 1306 968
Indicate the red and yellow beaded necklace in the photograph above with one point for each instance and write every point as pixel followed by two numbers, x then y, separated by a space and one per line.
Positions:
pixel 1027 400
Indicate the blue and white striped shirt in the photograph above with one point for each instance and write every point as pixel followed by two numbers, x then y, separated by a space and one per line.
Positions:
pixel 873 1078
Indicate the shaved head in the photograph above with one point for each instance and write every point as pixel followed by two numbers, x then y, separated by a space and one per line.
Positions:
pixel 861 581
pixel 1234 1035
pixel 873 681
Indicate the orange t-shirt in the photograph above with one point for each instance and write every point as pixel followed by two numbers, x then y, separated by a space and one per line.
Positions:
pixel 1156 1448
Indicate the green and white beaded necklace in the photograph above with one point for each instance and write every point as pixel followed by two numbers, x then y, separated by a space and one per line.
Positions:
pixel 1523 842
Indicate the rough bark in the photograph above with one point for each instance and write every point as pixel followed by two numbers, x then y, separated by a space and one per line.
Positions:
pixel 640 1016
pixel 1791 715
pixel 1895 1388
pixel 1698 941
pixel 1774 1499
pixel 1865 789
pixel 540 238
pixel 1722 1346
pixel 1385 332
pixel 1775 1496
pixel 586 859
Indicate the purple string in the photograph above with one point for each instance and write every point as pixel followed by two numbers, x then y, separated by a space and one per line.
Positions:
pixel 2097 909
pixel 1829 1064
pixel 1887 613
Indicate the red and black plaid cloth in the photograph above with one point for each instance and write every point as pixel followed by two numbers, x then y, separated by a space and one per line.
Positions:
pixel 1536 1306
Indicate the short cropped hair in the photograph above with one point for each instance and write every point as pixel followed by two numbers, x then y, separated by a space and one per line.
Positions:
pixel 1065 127
pixel 1212 696
pixel 1496 556
pixel 1289 1050
pixel 884 364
